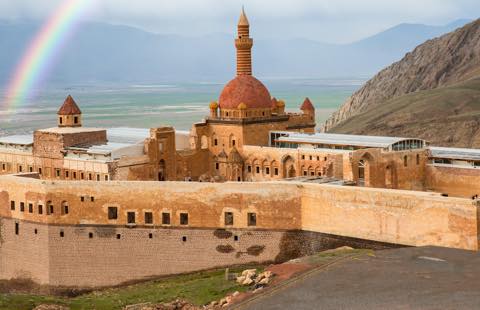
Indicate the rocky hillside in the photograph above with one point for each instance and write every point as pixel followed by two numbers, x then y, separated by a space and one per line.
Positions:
pixel 440 62
pixel 445 116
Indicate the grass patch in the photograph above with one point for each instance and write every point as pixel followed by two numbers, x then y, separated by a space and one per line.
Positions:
pixel 197 288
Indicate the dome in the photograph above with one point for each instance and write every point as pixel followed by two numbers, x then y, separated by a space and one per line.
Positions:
pixel 245 89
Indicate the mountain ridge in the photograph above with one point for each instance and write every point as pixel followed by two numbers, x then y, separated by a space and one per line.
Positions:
pixel 442 61
pixel 106 52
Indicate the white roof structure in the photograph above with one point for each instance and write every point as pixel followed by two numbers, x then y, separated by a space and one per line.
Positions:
pixel 342 139
pixel 127 135
pixel 455 153
pixel 17 140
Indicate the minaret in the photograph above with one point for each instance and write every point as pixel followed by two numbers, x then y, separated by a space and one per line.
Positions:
pixel 244 44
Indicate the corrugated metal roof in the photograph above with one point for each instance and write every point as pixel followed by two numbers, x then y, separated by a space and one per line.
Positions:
pixel 455 153
pixel 127 135
pixel 17 139
pixel 342 139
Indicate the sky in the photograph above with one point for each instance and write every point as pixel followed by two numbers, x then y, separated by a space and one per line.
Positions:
pixel 333 21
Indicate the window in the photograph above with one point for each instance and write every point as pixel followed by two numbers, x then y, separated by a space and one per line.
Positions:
pixel 40 209
pixel 258 169
pixel 131 217
pixel 12 205
pixel 184 239
pixel 62 234
pixel 90 235
pixel 35 231
pixel 30 169
pixel 4 167
pixel 228 218
pixel 311 157
pixel 252 219
pixel 89 176
pixel 98 177
pixel 303 156
pixel 312 173
pixel 75 119
pixel 165 218
pixel 215 142
pixel 235 238
pixel 30 208
pixel 249 168
pixel 60 120
pixel 418 159
pixel 305 172
pixel 183 218
pixel 20 168
pixel 82 199
pixel 82 176
pixel 405 161
pixel 150 235
pixel 318 158
pixel 148 218
pixel 233 142
pixel 112 213
pixel 325 158
pixel 57 172
pixel 276 171
pixel 64 208
pixel 217 165
pixel 66 174
pixel 106 177
pixel 17 228
pixel 119 236
pixel 50 207
pixel 74 175
pixel 92 199
pixel 267 170
pixel 39 170
pixel 22 206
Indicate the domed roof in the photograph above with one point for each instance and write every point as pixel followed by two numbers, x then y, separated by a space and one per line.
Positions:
pixel 245 89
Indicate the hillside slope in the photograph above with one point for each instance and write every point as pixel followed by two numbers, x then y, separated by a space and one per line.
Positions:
pixel 446 116
pixel 447 60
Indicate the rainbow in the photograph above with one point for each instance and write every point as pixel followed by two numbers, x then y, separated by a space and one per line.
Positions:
pixel 40 54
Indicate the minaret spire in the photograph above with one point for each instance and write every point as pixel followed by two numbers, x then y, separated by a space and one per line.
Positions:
pixel 244 44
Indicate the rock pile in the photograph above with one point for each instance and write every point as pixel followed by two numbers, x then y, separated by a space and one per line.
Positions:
pixel 250 277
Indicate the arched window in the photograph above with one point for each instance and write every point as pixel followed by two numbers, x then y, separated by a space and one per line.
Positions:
pixel 64 208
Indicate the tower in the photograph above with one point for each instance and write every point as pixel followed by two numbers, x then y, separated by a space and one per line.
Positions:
pixel 243 44
pixel 69 114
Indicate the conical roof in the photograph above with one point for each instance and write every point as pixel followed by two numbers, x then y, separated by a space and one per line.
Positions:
pixel 69 107
pixel 243 21
pixel 307 105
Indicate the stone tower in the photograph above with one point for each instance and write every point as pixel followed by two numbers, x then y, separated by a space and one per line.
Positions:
pixel 69 114
pixel 244 44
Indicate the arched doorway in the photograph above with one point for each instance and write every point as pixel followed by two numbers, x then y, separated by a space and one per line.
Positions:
pixel 288 167
pixel 364 170
pixel 161 170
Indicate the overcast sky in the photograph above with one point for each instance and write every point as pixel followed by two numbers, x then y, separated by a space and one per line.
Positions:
pixel 322 20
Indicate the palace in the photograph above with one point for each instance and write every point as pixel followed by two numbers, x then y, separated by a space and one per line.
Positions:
pixel 88 207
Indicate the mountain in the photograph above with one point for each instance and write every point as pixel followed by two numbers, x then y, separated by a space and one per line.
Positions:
pixel 103 52
pixel 448 60
pixel 445 116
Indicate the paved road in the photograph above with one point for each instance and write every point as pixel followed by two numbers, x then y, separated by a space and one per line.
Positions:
pixel 406 278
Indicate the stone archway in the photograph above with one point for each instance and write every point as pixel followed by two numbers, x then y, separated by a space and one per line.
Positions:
pixel 364 176
pixel 288 167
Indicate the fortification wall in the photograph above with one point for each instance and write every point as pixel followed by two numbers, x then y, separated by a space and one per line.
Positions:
pixel 393 216
pixel 83 247
pixel 460 182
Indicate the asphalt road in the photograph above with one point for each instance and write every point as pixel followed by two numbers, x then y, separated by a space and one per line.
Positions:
pixel 406 278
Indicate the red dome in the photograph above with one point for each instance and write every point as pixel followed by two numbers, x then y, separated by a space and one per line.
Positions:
pixel 246 89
